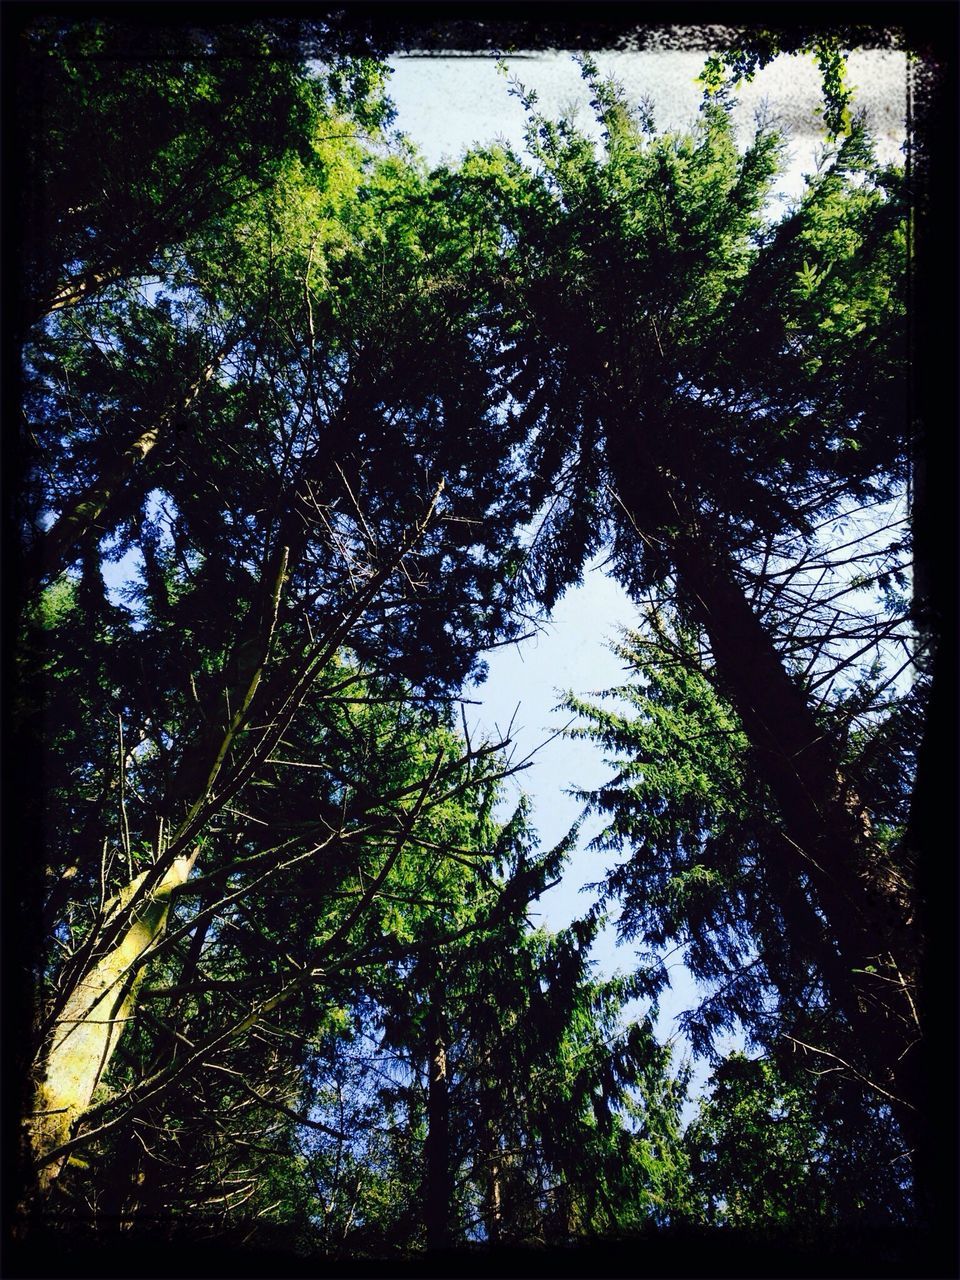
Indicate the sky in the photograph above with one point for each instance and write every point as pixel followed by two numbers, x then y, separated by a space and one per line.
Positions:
pixel 447 104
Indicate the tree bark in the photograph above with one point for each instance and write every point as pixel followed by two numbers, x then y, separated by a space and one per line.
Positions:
pixel 491 1167
pixel 86 1033
pixel 73 290
pixel 493 1197
pixel 438 1188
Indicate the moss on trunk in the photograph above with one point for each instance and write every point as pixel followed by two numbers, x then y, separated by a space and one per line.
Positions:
pixel 93 1019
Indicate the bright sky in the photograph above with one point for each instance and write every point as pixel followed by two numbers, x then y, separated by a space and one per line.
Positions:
pixel 446 104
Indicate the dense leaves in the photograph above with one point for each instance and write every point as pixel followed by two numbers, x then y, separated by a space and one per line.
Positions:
pixel 649 269
pixel 218 119
pixel 766 1154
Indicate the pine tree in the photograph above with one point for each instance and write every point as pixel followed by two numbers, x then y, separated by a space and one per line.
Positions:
pixel 709 394
pixel 326 485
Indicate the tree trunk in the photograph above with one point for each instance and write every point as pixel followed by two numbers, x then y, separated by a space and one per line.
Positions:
pixel 493 1200
pixel 491 1167
pixel 865 901
pixel 86 1033
pixel 72 291
pixel 866 905
pixel 438 1183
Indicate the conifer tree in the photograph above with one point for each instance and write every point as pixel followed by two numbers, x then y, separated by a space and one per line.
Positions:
pixel 313 480
pixel 709 393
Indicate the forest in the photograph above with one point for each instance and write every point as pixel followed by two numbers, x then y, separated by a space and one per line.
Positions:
pixel 306 429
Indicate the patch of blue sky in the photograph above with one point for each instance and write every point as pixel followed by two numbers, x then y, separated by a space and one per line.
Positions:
pixel 123 577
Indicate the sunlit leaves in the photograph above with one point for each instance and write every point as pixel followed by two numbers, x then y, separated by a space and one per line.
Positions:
pixel 725 71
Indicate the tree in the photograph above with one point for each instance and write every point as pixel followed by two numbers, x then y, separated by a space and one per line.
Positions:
pixel 311 500
pixel 452 1073
pixel 643 274
pixel 222 112
pixel 513 1104
pixel 536 1092
pixel 229 976
pixel 703 873
pixel 286 969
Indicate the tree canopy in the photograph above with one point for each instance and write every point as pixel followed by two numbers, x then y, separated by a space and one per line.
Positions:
pixel 308 428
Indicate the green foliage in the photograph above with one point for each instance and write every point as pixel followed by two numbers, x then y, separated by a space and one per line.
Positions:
pixel 681 804
pixel 645 269
pixel 756 1154
pixel 317 1122
pixel 269 930
pixel 705 871
pixel 829 50
pixel 767 1157
pixel 686 802
pixel 219 117
pixel 564 1122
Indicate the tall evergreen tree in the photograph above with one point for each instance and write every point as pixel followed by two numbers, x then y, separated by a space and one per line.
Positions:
pixel 329 478
pixel 704 872
pixel 707 389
